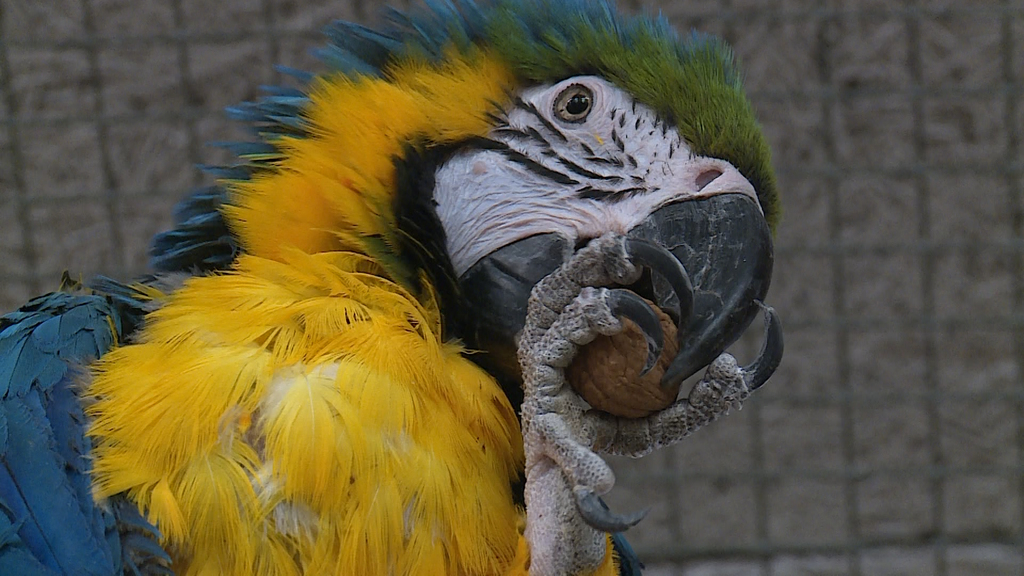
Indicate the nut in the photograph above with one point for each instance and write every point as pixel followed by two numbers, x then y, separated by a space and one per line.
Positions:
pixel 606 372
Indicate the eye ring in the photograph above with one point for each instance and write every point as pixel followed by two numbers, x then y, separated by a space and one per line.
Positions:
pixel 574 103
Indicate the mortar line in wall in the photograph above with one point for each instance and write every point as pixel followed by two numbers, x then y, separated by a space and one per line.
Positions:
pixel 893 473
pixel 756 423
pixel 838 269
pixel 761 484
pixel 21 204
pixel 185 71
pixel 803 95
pixel 112 196
pixel 809 549
pixel 1015 197
pixel 273 43
pixel 927 263
pixel 359 10
pixel 743 15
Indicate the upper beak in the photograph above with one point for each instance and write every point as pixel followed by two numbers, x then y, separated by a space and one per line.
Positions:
pixel 725 246
pixel 723 243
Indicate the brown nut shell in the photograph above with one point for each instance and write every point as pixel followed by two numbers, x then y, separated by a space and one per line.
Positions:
pixel 606 372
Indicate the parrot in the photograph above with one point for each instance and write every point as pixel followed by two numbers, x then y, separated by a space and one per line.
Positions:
pixel 348 354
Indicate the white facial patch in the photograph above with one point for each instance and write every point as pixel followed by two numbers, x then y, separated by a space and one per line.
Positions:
pixel 577 158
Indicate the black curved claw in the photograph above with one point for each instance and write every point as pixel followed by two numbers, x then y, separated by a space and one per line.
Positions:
pixel 665 264
pixel 725 246
pixel 597 515
pixel 761 369
pixel 626 304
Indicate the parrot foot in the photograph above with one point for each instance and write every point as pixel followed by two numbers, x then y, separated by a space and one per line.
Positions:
pixel 565 476
pixel 566 521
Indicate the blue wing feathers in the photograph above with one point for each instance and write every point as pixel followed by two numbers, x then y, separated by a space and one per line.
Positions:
pixel 137 539
pixel 53 526
pixel 49 523
pixel 15 557
pixel 9 358
pixel 67 421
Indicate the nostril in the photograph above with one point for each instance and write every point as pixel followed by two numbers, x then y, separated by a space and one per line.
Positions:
pixel 707 177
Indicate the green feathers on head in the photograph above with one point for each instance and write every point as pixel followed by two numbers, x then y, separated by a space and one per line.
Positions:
pixel 691 80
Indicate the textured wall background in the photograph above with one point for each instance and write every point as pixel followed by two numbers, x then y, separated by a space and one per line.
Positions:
pixel 890 442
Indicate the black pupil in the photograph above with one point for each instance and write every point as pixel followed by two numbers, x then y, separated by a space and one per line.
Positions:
pixel 577 104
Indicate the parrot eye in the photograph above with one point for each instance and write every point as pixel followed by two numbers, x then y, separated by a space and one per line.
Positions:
pixel 574 103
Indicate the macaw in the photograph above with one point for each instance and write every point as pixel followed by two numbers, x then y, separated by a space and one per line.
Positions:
pixel 349 354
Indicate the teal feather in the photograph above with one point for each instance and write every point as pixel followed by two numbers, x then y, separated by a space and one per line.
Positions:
pixel 345 62
pixel 302 76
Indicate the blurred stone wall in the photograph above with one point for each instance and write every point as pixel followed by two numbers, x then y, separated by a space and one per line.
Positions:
pixel 891 440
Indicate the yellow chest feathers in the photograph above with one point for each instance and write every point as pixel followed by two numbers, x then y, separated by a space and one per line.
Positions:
pixel 302 416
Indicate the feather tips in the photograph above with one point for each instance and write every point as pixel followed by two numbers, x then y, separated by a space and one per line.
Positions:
pixel 317 418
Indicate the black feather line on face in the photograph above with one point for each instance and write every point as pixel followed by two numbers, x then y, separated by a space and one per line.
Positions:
pixel 618 141
pixel 580 170
pixel 591 193
pixel 424 248
pixel 524 105
pixel 523 160
pixel 423 243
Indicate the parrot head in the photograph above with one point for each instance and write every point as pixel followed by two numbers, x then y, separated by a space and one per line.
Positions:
pixel 579 158
pixel 468 150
